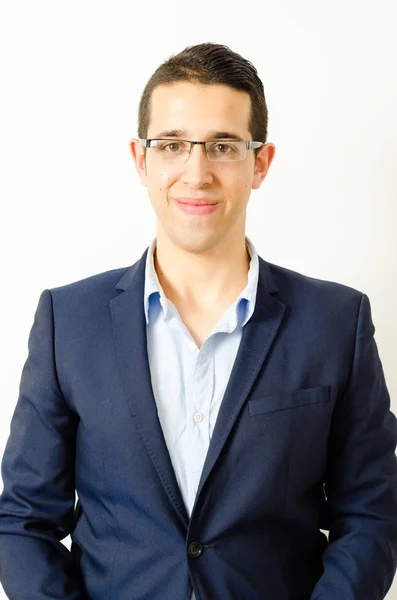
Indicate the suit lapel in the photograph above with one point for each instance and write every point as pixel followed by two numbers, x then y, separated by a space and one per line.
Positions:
pixel 129 328
pixel 258 336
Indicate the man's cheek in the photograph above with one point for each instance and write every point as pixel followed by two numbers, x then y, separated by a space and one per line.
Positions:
pixel 164 182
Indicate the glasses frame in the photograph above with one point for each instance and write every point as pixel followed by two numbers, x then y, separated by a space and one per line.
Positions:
pixel 250 145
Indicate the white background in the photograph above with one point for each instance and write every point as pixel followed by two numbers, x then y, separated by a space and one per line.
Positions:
pixel 71 74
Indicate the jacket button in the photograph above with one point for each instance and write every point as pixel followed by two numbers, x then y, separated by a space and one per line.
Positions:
pixel 195 549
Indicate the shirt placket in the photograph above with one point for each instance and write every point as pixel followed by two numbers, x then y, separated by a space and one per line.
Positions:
pixel 198 414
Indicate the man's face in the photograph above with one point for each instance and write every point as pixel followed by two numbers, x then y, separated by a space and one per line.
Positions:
pixel 200 112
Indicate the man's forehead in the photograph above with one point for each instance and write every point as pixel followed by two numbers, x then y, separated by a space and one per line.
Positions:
pixel 183 106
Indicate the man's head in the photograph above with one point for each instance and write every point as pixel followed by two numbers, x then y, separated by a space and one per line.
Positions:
pixel 209 64
pixel 206 92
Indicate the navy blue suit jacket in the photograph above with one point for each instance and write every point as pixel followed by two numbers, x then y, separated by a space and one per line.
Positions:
pixel 304 441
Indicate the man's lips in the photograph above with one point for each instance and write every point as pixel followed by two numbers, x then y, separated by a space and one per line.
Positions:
pixel 192 206
pixel 195 202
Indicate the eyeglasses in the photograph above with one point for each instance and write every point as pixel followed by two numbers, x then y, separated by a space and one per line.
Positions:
pixel 171 150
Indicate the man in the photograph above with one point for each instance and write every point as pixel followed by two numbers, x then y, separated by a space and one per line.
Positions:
pixel 213 411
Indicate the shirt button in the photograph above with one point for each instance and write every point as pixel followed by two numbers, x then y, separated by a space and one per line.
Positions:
pixel 192 347
pixel 195 549
pixel 198 417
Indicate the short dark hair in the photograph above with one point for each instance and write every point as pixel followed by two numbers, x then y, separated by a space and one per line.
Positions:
pixel 209 64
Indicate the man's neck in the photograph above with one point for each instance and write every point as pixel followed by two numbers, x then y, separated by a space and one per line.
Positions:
pixel 202 282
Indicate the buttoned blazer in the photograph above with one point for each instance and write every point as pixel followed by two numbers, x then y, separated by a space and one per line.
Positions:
pixel 303 445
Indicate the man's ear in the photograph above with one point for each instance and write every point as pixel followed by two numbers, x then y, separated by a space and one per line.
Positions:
pixel 262 164
pixel 138 154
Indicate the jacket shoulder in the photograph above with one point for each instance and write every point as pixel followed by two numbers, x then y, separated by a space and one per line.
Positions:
pixel 94 291
pixel 294 284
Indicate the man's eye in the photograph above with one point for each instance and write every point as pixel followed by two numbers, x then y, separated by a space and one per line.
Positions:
pixel 173 147
pixel 223 148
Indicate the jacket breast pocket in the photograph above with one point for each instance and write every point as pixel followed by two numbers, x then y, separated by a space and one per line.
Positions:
pixel 288 400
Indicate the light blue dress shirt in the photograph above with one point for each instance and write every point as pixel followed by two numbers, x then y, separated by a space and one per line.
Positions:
pixel 189 382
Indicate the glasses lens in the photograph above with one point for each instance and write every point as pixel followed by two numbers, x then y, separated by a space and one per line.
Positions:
pixel 226 151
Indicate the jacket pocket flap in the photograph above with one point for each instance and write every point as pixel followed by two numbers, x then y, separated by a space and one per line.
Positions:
pixel 285 400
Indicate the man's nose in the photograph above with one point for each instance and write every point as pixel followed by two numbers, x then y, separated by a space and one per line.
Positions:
pixel 197 168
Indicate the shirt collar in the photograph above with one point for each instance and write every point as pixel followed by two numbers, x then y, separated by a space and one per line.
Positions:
pixel 154 293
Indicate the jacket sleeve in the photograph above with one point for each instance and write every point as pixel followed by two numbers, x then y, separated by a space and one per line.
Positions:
pixel 37 502
pixel 361 482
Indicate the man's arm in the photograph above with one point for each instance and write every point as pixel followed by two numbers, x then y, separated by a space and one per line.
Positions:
pixel 361 482
pixel 37 502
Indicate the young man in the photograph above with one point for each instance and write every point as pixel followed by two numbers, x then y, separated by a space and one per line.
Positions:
pixel 212 411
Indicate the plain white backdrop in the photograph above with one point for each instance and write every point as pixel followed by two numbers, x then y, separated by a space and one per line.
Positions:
pixel 71 74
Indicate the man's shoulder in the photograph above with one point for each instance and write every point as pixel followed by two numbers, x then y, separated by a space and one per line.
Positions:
pixel 296 286
pixel 96 289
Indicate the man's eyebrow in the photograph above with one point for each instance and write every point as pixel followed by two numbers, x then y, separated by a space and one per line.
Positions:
pixel 225 135
pixel 213 135
pixel 178 133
